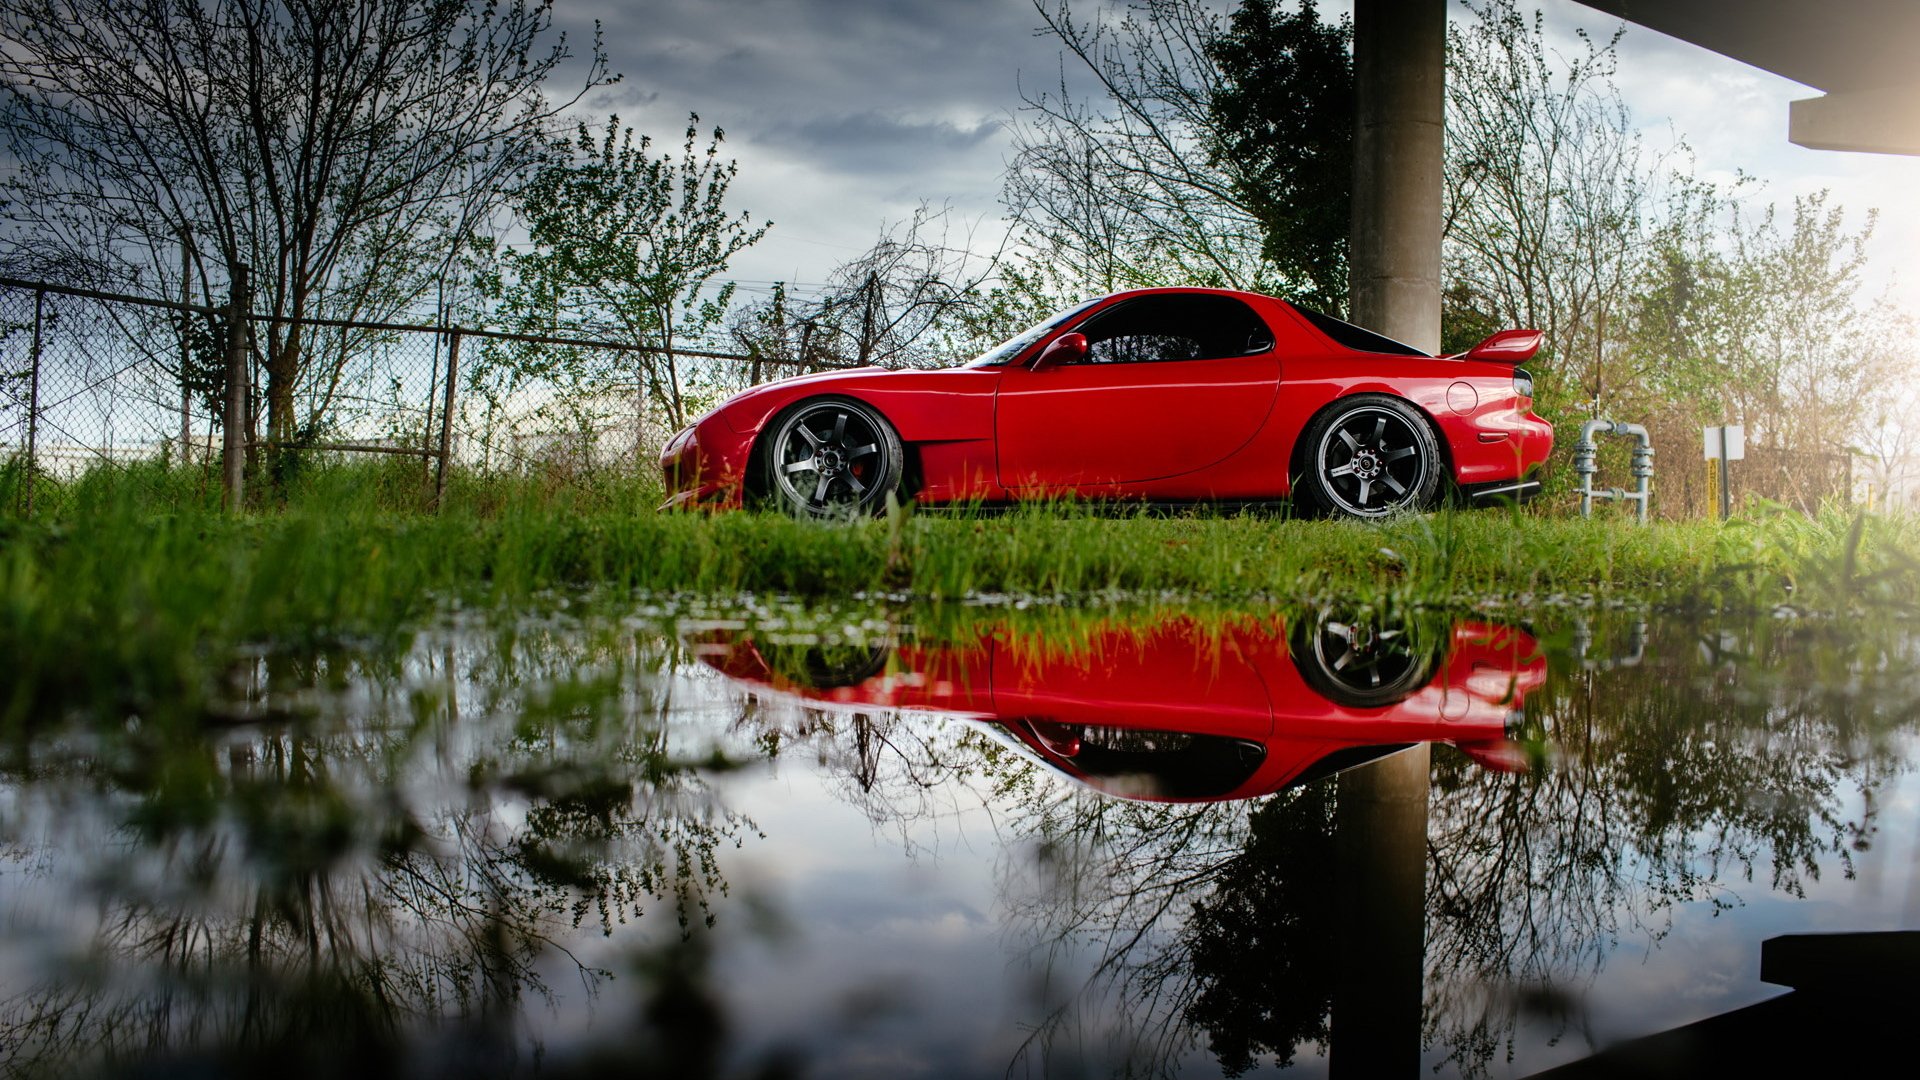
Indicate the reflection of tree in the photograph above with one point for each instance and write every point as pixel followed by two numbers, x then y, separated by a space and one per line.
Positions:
pixel 1261 955
pixel 1093 898
pixel 1673 782
pixel 392 840
pixel 375 863
pixel 898 769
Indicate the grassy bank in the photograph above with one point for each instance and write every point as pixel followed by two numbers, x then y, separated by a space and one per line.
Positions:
pixel 135 579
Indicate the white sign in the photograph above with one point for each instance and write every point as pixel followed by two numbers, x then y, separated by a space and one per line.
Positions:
pixel 1725 440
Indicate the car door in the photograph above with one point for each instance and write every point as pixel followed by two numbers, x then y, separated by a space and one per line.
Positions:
pixel 1175 676
pixel 1172 384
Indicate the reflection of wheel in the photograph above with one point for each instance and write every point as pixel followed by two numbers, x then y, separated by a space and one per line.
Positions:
pixel 1370 455
pixel 1362 663
pixel 832 457
pixel 825 667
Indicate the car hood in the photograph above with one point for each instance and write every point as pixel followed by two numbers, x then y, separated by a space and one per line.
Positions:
pixel 745 410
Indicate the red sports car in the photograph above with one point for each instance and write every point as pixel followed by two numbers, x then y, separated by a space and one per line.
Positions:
pixel 1180 711
pixel 1160 395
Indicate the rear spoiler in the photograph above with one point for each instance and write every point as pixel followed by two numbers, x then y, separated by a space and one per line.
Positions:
pixel 1505 347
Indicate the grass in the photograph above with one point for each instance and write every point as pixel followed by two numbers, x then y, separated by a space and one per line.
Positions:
pixel 132 583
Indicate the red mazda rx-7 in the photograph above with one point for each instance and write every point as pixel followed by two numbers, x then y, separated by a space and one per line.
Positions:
pixel 1158 395
pixel 1180 711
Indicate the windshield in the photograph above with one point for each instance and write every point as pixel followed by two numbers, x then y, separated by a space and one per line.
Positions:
pixel 1011 347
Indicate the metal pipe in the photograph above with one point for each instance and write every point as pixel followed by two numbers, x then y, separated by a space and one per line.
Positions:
pixel 221 311
pixel 1586 466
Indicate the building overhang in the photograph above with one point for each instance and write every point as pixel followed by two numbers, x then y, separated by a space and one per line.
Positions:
pixel 1862 53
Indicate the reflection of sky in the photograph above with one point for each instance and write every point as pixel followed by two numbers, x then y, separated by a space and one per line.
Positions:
pixel 1708 962
pixel 898 963
pixel 878 934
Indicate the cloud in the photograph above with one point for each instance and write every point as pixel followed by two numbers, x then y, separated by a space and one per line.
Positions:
pixel 875 142
pixel 626 98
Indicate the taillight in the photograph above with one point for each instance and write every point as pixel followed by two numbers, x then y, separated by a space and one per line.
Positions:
pixel 1522 382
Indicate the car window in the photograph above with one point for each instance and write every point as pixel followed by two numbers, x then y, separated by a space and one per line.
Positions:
pixel 1012 347
pixel 1203 326
pixel 1357 338
pixel 1138 348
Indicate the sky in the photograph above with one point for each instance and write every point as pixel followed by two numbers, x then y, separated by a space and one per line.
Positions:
pixel 845 115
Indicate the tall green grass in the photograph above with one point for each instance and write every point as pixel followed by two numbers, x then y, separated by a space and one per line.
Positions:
pixel 132 583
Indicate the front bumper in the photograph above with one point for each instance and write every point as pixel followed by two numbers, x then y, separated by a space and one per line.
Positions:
pixel 705 467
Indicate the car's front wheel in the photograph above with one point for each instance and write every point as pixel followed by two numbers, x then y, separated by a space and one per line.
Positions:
pixel 1369 456
pixel 832 457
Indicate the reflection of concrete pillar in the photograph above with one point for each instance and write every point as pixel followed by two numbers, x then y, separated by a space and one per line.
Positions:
pixel 1380 845
pixel 1399 49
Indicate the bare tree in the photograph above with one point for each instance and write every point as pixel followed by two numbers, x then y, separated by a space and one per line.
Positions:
pixel 1891 449
pixel 1546 189
pixel 345 150
pixel 904 302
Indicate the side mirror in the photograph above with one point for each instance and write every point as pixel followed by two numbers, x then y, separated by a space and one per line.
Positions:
pixel 1066 349
pixel 1507 347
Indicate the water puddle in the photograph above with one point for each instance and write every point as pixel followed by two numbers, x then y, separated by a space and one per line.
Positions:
pixel 763 840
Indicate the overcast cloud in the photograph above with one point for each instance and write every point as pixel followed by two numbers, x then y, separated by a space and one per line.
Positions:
pixel 847 114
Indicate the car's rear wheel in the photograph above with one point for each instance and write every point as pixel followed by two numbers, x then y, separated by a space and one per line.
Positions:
pixel 1369 456
pixel 832 457
pixel 1359 661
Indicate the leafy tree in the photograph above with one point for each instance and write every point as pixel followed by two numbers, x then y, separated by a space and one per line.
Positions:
pixel 1208 155
pixel 1282 126
pixel 622 244
pixel 345 150
pixel 1664 298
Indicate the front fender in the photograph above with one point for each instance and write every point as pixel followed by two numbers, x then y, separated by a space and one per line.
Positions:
pixel 949 405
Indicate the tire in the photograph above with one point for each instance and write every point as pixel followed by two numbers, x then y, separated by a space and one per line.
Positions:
pixel 1369 456
pixel 826 667
pixel 1363 662
pixel 831 458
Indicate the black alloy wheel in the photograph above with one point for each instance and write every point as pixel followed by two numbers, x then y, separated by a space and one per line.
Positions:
pixel 832 457
pixel 1363 661
pixel 1371 455
pixel 823 666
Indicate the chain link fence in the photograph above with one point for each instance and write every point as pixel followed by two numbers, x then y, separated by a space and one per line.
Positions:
pixel 94 379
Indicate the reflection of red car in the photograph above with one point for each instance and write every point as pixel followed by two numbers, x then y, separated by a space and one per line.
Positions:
pixel 1178 711
pixel 1164 394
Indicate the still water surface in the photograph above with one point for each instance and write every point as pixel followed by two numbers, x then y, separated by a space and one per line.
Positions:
pixel 974 842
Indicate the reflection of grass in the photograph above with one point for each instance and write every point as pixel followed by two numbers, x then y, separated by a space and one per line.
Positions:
pixel 127 581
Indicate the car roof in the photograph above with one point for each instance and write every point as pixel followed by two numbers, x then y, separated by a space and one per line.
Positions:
pixel 1344 334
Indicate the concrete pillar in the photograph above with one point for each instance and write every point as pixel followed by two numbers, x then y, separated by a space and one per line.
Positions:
pixel 1399 61
pixel 1399 56
pixel 1380 851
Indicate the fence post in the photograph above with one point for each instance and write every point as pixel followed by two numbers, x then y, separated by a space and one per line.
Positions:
pixel 433 394
pixel 446 417
pixel 1727 481
pixel 186 356
pixel 33 398
pixel 233 436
